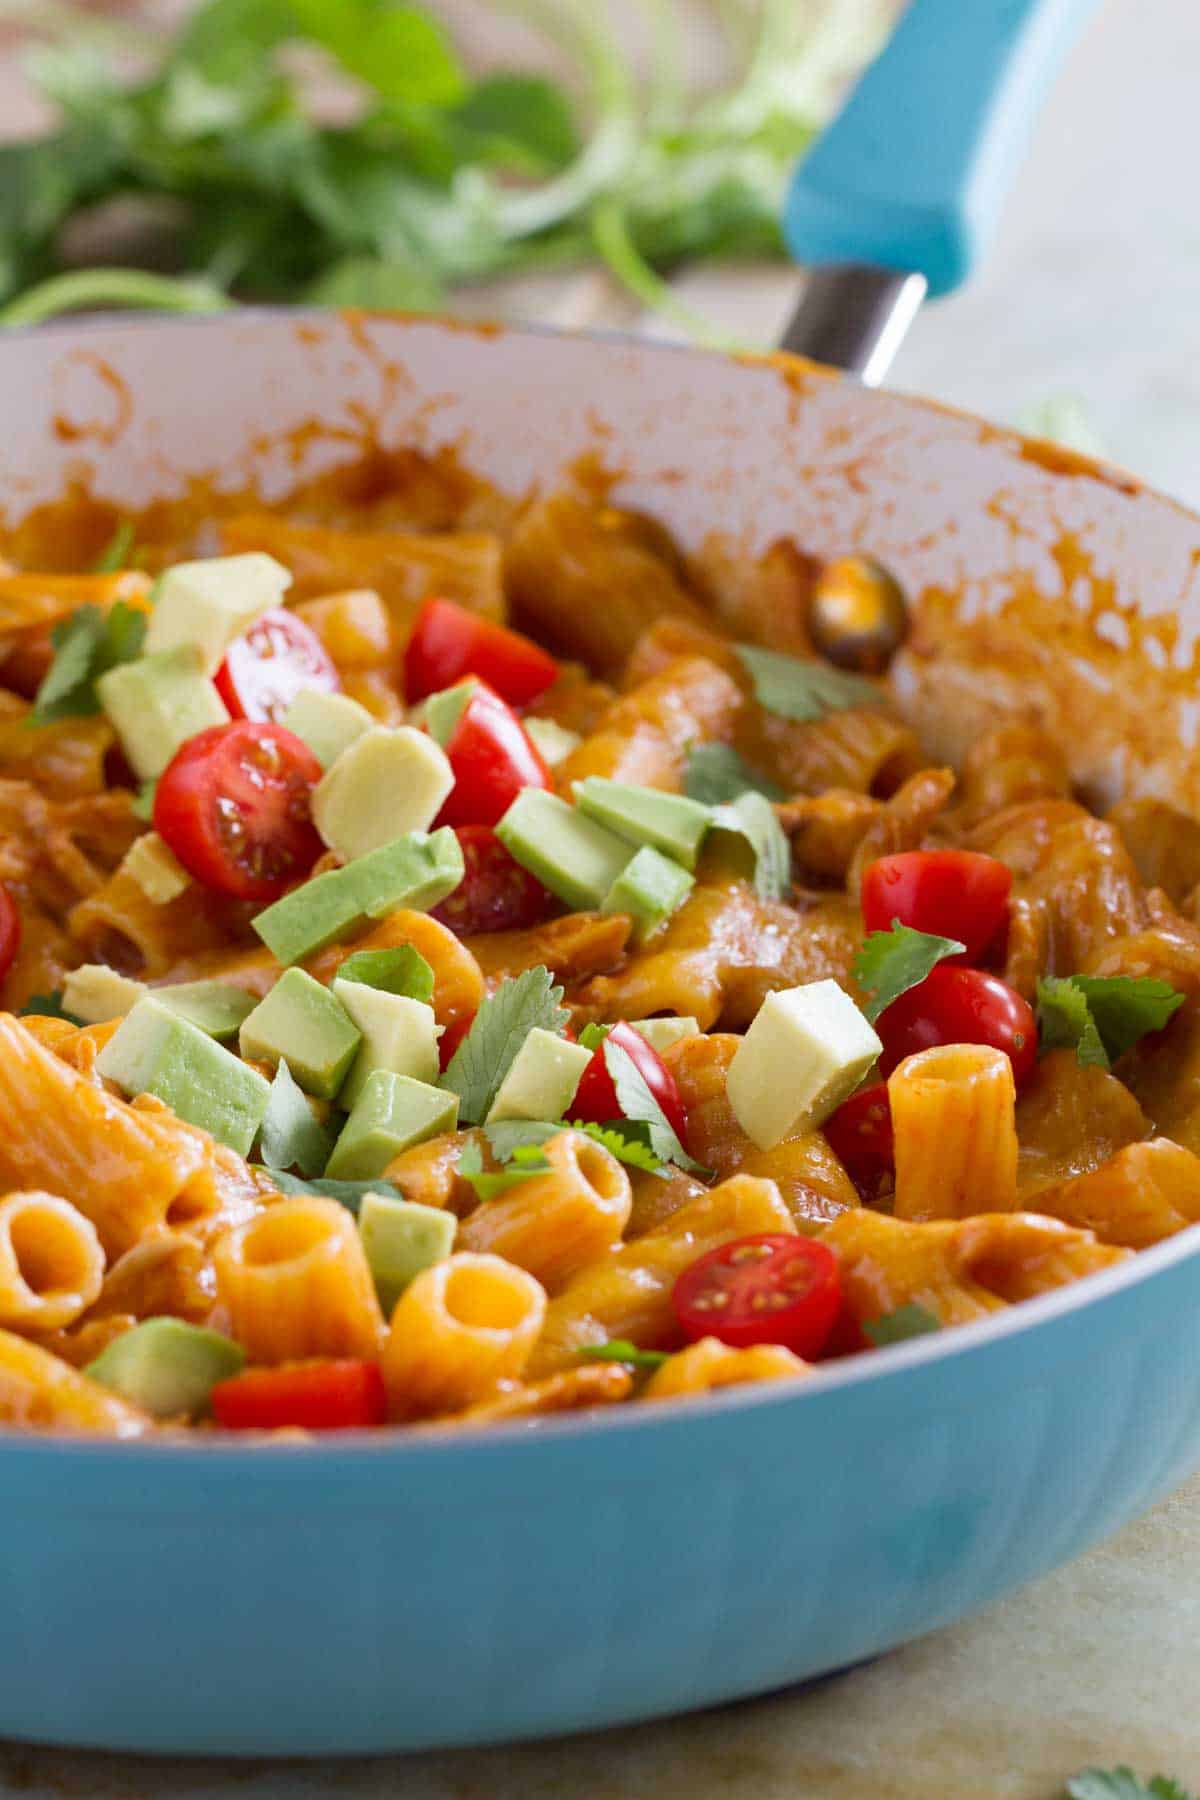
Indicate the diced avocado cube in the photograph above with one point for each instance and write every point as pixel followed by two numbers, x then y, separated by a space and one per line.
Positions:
pixel 416 872
pixel 208 603
pixel 96 994
pixel 541 1079
pixel 154 1051
pixel 328 723
pixel 552 741
pixel 156 869
pixel 291 1136
pixel 442 711
pixel 649 888
pixel 384 784
pixel 751 827
pixel 302 1021
pixel 806 1051
pixel 156 703
pixel 397 1034
pixel 401 1238
pixel 401 970
pixel 216 1007
pixel 392 1113
pixel 167 1367
pixel 572 855
pixel 668 822
pixel 304 921
pixel 660 1034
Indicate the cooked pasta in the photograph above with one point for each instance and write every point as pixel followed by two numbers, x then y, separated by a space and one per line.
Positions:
pixel 709 1364
pixel 51 1263
pixel 296 1284
pixel 555 1224
pixel 461 1329
pixel 953 1115
pixel 41 1392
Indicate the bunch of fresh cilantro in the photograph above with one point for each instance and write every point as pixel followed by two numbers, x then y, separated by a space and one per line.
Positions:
pixel 435 179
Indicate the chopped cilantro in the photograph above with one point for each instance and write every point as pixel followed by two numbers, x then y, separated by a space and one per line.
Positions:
pixel 799 689
pixel 638 1105
pixel 116 553
pixel 624 1140
pixel 524 1162
pixel 86 645
pixel 752 817
pixel 290 1135
pixel 716 773
pixel 906 1322
pixel 891 962
pixel 1065 1022
pixel 593 1035
pixel 1101 1016
pixel 509 1135
pixel 400 971
pixel 1122 1784
pixel 48 1006
pixel 349 1193
pixel 497 1032
pixel 622 1351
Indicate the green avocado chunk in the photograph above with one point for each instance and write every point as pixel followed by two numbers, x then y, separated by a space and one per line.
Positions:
pixel 572 855
pixel 668 822
pixel 416 871
pixel 156 703
pixel 649 888
pixel 155 1051
pixel 401 1238
pixel 217 1007
pixel 391 1114
pixel 166 1366
pixel 444 709
pixel 302 1022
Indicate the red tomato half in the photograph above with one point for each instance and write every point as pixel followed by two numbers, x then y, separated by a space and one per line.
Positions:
pixel 596 1097
pixel 319 1396
pixel 493 758
pixel 233 804
pixel 860 1135
pixel 495 893
pixel 954 1005
pixel 449 642
pixel 10 931
pixel 951 893
pixel 772 1289
pixel 270 663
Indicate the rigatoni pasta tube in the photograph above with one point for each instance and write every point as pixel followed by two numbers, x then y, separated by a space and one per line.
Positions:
pixel 43 1393
pixel 953 1115
pixel 296 1284
pixel 705 1366
pixel 51 1262
pixel 460 1329
pixel 555 1224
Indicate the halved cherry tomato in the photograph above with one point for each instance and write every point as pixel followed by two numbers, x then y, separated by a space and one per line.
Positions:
pixel 451 1038
pixel 270 663
pixel 10 931
pixel 320 1396
pixel 772 1289
pixel 951 893
pixel 596 1096
pixel 954 1005
pixel 860 1135
pixel 449 642
pixel 495 893
pixel 233 804
pixel 493 758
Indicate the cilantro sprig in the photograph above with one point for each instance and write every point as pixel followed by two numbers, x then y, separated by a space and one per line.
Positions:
pixel 1100 1017
pixel 715 774
pixel 622 1351
pixel 639 1107
pixel 117 552
pixel 290 1135
pixel 897 1327
pixel 350 1194
pixel 498 1030
pixel 891 962
pixel 795 688
pixel 509 1139
pixel 752 818
pixel 524 1163
pixel 48 1006
pixel 86 646
pixel 1122 1784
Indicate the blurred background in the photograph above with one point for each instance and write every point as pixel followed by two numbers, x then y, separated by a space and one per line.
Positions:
pixel 595 163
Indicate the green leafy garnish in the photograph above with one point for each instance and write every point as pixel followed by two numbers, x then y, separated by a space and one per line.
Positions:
pixel 86 646
pixel 752 817
pixel 716 773
pixel 622 1139
pixel 48 1006
pixel 497 1032
pixel 622 1351
pixel 349 1193
pixel 896 1327
pixel 1101 1016
pixel 142 806
pixel 1122 1784
pixel 399 971
pixel 795 688
pixel 509 1135
pixel 523 1162
pixel 891 962
pixel 290 1135
pixel 639 1106
pixel 593 1035
pixel 115 554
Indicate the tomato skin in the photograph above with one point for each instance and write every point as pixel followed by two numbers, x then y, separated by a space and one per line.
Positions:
pixel 495 893
pixel 860 1135
pixel 493 758
pixel 769 1289
pixel 270 663
pixel 318 1396
pixel 10 931
pixel 596 1096
pixel 954 1005
pixel 233 805
pixel 951 893
pixel 449 642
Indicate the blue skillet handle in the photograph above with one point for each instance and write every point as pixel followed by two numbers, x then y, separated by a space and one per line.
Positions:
pixel 912 173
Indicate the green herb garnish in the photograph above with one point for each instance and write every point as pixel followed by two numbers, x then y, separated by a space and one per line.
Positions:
pixel 86 646
pixel 892 962
pixel 1101 1016
pixel 1122 1784
pixel 639 1106
pixel 48 1006
pixel 497 1032
pixel 752 817
pixel 796 688
pixel 290 1135
pixel 897 1327
pixel 716 773
pixel 622 1351
pixel 116 552
pixel 524 1162
pixel 349 1193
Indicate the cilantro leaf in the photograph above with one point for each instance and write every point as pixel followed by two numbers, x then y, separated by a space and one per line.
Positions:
pixel 752 817
pixel 716 773
pixel 350 1193
pixel 796 688
pixel 116 552
pixel 290 1135
pixel 1122 1784
pixel 1065 1022
pixel 891 962
pixel 905 1322
pixel 638 1105
pixel 628 1146
pixel 507 1136
pixel 622 1351
pixel 511 1138
pixel 497 1032
pixel 86 645
pixel 399 971
pixel 525 1162
pixel 593 1035
pixel 1102 1016
pixel 48 1006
